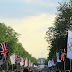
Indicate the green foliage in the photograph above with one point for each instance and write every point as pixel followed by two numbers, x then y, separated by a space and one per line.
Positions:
pixel 56 36
pixel 13 46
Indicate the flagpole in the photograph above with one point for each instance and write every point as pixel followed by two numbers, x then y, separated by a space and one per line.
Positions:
pixel 7 63
pixel 7 66
pixel 12 67
pixel 64 65
pixel 64 60
pixel 70 64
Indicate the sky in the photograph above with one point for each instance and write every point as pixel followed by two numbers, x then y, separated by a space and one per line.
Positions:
pixel 31 19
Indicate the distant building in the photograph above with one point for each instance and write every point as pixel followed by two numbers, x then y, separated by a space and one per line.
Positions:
pixel 41 61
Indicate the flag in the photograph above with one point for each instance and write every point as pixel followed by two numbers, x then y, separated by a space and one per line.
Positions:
pixel 49 63
pixel 69 45
pixel 35 65
pixel 18 59
pixel 63 55
pixel 4 50
pixel 12 58
pixel 29 63
pixel 26 62
pixel 57 55
pixel 21 63
pixel 53 64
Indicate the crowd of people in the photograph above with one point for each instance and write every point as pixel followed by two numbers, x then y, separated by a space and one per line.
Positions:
pixel 34 70
pixel 26 70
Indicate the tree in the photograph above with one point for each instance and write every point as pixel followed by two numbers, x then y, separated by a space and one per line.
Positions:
pixel 56 36
pixel 13 46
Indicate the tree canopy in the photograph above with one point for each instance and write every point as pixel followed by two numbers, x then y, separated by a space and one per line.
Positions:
pixel 56 35
pixel 8 34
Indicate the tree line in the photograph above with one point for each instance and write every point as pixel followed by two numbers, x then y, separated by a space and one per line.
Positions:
pixel 8 34
pixel 57 34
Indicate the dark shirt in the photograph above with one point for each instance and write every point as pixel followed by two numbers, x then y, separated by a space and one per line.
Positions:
pixel 25 70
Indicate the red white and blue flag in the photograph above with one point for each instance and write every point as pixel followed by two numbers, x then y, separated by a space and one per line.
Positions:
pixel 4 50
pixel 24 62
pixel 18 59
pixel 63 55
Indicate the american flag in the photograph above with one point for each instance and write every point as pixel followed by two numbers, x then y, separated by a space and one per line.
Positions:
pixel 4 50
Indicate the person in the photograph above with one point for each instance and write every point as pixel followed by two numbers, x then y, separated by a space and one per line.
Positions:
pixel 21 71
pixel 57 71
pixel 3 71
pixel 15 71
pixel 12 71
pixel 18 71
pixel 25 70
pixel 28 69
pixel 31 71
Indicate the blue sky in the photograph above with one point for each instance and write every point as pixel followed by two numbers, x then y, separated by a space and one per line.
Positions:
pixel 23 8
pixel 31 19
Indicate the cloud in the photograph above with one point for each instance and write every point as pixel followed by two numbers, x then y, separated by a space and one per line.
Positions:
pixel 32 30
pixel 21 8
pixel 41 2
pixel 28 1
pixel 47 3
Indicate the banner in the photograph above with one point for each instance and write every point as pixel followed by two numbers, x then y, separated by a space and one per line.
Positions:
pixel 21 63
pixel 26 62
pixel 49 63
pixel 29 63
pixel 57 55
pixel 18 59
pixel 53 64
pixel 69 45
pixel 12 58
pixel 63 55
pixel 35 65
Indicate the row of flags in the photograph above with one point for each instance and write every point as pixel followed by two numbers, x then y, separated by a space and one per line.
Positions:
pixel 63 52
pixel 4 53
pixel 14 58
pixel 51 63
